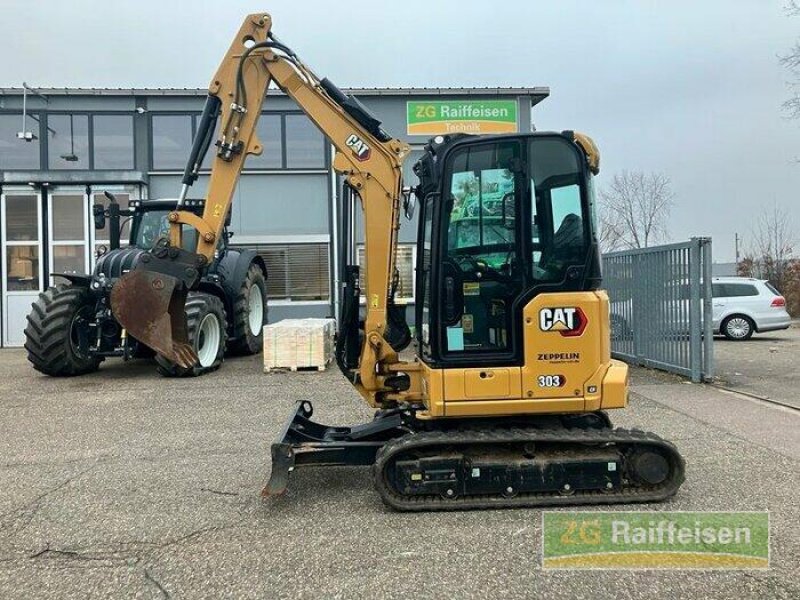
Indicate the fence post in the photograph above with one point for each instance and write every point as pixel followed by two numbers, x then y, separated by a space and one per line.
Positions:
pixel 708 317
pixel 638 320
pixel 695 344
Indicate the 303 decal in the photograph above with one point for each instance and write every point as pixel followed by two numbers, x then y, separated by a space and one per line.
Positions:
pixel 552 381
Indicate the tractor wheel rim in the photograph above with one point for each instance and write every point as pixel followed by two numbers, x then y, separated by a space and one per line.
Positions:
pixel 255 312
pixel 208 338
pixel 74 340
pixel 738 327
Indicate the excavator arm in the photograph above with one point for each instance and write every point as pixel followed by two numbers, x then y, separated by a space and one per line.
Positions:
pixel 149 301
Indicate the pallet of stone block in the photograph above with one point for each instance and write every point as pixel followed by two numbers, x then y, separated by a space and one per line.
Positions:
pixel 293 344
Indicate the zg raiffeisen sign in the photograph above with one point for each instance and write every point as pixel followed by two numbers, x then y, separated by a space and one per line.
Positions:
pixel 461 116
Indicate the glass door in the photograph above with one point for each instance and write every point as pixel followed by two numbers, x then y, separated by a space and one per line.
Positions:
pixel 482 273
pixel 68 229
pixel 22 272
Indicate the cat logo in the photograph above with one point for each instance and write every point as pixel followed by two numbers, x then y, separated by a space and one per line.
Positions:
pixel 568 321
pixel 358 146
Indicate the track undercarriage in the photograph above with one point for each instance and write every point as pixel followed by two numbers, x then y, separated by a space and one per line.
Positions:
pixel 487 463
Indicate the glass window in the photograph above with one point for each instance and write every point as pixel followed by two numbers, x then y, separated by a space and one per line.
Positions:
pixel 172 141
pixel 68 142
pixel 16 153
pixel 482 211
pixel 69 259
pixel 717 290
pixel 425 267
pixel 305 145
pixel 152 225
pixel 736 290
pixel 22 218
pixel 481 273
pixel 558 228
pixel 22 264
pixel 269 132
pixel 68 217
pixel 113 141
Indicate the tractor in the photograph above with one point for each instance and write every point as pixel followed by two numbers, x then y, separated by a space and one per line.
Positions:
pixel 71 328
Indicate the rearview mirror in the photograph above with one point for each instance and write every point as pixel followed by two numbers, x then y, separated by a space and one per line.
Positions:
pixel 99 214
pixel 409 202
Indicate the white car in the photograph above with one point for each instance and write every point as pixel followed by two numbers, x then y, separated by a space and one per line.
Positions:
pixel 743 306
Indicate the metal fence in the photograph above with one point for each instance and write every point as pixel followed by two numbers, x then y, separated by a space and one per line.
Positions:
pixel 661 307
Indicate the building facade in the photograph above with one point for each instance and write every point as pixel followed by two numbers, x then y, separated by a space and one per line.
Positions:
pixel 71 145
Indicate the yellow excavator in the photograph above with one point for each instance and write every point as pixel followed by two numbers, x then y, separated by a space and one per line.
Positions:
pixel 503 404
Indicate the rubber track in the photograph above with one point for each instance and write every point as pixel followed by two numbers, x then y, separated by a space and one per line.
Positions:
pixel 628 438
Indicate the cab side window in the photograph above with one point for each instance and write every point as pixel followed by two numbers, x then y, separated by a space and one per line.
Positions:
pixel 558 230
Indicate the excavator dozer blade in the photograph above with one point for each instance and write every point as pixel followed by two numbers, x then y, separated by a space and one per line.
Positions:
pixel 151 306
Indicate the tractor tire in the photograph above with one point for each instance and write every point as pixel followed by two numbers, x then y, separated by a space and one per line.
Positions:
pixel 205 320
pixel 250 314
pixel 50 336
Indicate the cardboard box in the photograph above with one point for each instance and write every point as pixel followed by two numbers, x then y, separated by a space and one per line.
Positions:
pixel 299 343
pixel 20 262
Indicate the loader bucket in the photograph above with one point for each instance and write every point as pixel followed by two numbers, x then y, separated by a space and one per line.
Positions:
pixel 151 306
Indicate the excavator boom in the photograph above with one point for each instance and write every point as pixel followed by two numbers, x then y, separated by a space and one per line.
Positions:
pixel 149 301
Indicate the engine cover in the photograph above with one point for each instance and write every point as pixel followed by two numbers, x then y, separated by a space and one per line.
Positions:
pixel 115 263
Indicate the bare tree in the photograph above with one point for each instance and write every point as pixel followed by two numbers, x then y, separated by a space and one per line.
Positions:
pixel 609 232
pixel 792 63
pixel 634 210
pixel 772 245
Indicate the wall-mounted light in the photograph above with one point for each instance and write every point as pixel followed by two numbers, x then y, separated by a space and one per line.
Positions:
pixel 24 134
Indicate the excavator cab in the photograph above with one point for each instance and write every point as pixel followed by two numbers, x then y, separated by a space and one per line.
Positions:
pixel 502 220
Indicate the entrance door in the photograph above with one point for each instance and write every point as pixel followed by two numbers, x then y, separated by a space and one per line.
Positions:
pixel 22 272
pixel 68 232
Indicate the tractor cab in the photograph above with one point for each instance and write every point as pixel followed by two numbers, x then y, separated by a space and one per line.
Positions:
pixel 147 221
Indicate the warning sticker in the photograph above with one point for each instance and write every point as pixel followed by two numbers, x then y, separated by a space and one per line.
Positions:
pixel 472 288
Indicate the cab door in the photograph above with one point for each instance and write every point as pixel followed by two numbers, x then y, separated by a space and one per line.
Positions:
pixel 481 273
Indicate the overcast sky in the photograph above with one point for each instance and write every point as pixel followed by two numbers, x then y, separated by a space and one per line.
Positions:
pixel 690 89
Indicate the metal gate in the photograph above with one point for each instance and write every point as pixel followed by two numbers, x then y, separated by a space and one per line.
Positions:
pixel 661 307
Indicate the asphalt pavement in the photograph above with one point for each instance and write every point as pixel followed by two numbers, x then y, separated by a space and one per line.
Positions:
pixel 767 365
pixel 122 484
